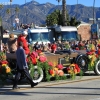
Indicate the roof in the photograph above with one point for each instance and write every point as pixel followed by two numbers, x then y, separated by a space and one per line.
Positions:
pixel 66 28
pixel 38 30
pixel 83 23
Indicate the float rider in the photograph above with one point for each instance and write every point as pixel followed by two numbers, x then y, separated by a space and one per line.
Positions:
pixel 22 38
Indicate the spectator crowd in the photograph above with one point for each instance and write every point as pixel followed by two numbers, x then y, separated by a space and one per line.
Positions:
pixel 56 46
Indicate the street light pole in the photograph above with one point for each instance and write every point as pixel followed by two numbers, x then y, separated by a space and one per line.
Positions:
pixel 11 12
pixel 77 10
pixel 26 11
pixel 1 33
pixel 93 12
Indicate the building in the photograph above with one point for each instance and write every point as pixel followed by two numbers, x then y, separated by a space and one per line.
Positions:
pixel 84 30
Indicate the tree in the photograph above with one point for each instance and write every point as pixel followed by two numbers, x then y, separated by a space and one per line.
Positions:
pixel 8 11
pixel 16 10
pixel 1 6
pixel 74 22
pixel 53 18
pixel 64 12
pixel 58 1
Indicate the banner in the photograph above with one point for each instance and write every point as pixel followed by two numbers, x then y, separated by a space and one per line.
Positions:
pixel 94 31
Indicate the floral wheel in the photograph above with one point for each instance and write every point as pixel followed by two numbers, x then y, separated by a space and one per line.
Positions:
pixel 82 62
pixel 97 68
pixel 36 74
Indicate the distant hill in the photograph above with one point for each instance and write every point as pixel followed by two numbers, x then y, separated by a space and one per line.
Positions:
pixel 36 13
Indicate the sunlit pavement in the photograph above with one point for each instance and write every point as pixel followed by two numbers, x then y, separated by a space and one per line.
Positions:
pixel 86 77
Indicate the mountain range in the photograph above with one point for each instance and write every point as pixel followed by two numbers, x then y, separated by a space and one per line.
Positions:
pixel 35 12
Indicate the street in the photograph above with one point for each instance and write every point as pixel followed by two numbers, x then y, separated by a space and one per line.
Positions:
pixel 85 89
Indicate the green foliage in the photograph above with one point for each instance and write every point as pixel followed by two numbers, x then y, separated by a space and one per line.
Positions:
pixel 56 18
pixel 45 68
pixel 1 6
pixel 2 56
pixel 60 77
pixel 16 10
pixel 31 48
pixel 8 11
pixel 53 18
pixel 81 74
pixel 74 22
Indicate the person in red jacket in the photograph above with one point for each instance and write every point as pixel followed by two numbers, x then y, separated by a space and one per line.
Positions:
pixel 53 47
pixel 22 38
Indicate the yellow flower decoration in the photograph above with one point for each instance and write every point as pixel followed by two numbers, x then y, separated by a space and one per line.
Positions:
pixel 4 65
pixel 8 70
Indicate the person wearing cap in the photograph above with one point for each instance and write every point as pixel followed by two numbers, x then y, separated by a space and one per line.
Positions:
pixel 22 38
pixel 12 43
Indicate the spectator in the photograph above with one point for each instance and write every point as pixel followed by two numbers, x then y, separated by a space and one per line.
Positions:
pixel 12 43
pixel 22 38
pixel 53 47
pixel 17 23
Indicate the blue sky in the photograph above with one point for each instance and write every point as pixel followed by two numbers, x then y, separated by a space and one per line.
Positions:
pixel 69 2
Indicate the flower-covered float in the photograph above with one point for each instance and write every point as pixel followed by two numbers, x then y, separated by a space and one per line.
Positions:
pixel 5 70
pixel 46 67
pixel 41 69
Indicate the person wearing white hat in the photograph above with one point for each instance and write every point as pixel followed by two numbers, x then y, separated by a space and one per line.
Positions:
pixel 25 32
pixel 22 38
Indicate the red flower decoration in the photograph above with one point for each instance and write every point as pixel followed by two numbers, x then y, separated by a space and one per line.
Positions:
pixel 38 51
pixel 97 55
pixel 35 54
pixel 68 68
pixel 77 48
pixel 3 62
pixel 77 68
pixel 51 72
pixel 50 64
pixel 98 51
pixel 89 53
pixel 42 58
pixel 98 45
pixel 60 66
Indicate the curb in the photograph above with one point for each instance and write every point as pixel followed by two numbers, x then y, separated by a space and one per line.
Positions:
pixel 67 81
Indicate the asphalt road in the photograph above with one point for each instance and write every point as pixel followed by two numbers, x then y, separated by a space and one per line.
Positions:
pixel 85 88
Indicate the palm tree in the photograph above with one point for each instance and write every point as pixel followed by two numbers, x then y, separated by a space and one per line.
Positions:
pixel 64 12
pixel 8 11
pixel 1 6
pixel 58 1
pixel 16 10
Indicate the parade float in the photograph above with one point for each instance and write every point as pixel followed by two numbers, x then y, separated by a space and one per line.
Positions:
pixel 44 66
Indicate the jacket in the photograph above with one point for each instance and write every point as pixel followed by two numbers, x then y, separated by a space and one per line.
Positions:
pixel 21 58
pixel 12 44
pixel 25 44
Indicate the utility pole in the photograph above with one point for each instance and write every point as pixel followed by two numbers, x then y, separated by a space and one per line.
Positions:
pixel 77 10
pixel 1 33
pixel 11 12
pixel 93 12
pixel 26 11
